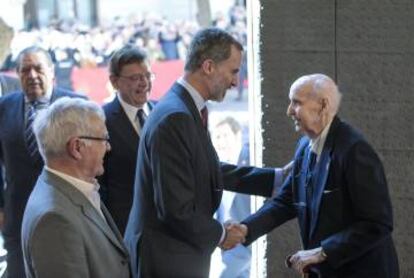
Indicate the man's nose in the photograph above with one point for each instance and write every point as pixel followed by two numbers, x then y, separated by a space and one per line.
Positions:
pixel 235 81
pixel 289 111
pixel 32 73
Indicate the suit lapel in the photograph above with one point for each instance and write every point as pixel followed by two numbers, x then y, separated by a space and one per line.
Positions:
pixel 302 193
pixel 78 199
pixel 213 161
pixel 93 215
pixel 322 171
pixel 123 125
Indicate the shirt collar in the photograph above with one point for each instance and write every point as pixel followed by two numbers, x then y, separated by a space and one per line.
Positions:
pixel 131 110
pixel 195 95
pixel 85 187
pixel 43 99
pixel 318 143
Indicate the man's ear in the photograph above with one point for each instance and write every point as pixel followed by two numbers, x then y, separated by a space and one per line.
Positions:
pixel 208 66
pixel 73 148
pixel 114 80
pixel 324 105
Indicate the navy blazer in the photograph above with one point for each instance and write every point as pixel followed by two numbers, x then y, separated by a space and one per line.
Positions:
pixel 178 187
pixel 117 182
pixel 21 171
pixel 351 213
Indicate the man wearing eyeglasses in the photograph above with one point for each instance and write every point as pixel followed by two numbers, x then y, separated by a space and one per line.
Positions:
pixel 131 76
pixel 66 231
pixel 18 148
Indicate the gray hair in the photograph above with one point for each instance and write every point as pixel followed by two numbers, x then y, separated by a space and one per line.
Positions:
pixel 322 87
pixel 33 50
pixel 62 120
pixel 210 43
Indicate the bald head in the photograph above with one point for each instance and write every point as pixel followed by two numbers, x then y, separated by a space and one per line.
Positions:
pixel 314 101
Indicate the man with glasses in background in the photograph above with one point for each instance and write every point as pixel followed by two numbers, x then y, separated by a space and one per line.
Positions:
pixel 18 148
pixel 130 75
pixel 66 231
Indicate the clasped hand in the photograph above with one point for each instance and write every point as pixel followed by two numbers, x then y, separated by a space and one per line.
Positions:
pixel 235 234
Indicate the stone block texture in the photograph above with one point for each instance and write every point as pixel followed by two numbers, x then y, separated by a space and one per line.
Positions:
pixel 367 46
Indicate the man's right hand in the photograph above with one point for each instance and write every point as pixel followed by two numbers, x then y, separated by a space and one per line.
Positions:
pixel 235 234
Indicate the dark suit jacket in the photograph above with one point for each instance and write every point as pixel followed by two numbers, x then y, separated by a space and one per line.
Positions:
pixel 21 171
pixel 351 216
pixel 178 187
pixel 9 84
pixel 63 235
pixel 117 182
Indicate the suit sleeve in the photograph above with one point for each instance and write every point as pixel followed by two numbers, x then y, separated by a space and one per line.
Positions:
pixel 248 180
pixel 371 206
pixel 174 179
pixel 273 213
pixel 56 249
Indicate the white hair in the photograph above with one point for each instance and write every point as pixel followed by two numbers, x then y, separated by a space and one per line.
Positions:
pixel 322 87
pixel 62 120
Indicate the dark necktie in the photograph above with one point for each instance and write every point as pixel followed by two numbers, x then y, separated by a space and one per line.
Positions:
pixel 141 118
pixel 309 187
pixel 204 117
pixel 28 132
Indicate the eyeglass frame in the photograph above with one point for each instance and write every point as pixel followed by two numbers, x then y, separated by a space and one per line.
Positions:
pixel 106 138
pixel 139 77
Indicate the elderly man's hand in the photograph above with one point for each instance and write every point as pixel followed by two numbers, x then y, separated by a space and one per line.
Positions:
pixel 302 260
pixel 235 234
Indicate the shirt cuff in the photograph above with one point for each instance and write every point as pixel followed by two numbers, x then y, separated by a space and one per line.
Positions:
pixel 223 235
pixel 278 181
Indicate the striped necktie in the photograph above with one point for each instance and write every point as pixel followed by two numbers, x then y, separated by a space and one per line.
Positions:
pixel 28 132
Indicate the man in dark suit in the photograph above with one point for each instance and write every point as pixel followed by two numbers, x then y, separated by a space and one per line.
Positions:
pixel 18 150
pixel 66 231
pixel 179 180
pixel 8 84
pixel 337 190
pixel 131 76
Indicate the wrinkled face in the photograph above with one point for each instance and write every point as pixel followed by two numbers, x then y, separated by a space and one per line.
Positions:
pixel 225 75
pixel 305 110
pixel 134 83
pixel 94 150
pixel 36 75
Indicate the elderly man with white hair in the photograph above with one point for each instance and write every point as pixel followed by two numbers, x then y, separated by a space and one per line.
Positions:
pixel 337 190
pixel 66 230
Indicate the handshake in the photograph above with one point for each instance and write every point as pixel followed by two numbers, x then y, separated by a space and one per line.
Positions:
pixel 235 233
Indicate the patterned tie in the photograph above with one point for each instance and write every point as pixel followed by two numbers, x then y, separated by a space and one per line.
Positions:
pixel 28 132
pixel 141 118
pixel 204 117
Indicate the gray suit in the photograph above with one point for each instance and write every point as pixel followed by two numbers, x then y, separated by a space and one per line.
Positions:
pixel 63 235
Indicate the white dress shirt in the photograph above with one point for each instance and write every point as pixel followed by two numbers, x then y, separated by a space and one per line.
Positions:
pixel 131 112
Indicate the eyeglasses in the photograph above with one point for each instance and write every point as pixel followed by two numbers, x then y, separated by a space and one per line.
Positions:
pixel 141 77
pixel 106 138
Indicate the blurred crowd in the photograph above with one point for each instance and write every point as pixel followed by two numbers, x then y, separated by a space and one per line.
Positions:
pixel 72 44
